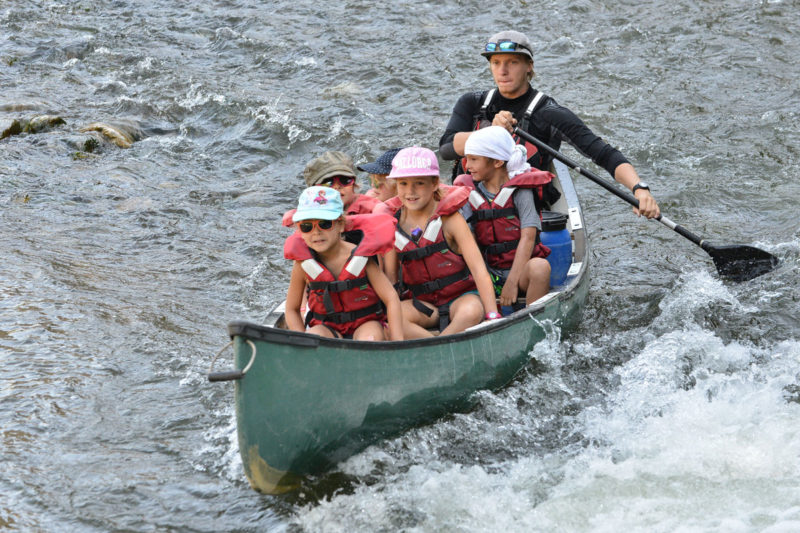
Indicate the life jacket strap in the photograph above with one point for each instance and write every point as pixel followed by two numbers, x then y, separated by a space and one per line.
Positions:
pixel 491 214
pixel 335 286
pixel 437 284
pixel 422 252
pixel 345 316
pixel 444 312
pixel 487 100
pixel 532 106
pixel 501 247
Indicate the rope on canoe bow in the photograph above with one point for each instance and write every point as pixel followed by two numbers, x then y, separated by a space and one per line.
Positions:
pixel 229 375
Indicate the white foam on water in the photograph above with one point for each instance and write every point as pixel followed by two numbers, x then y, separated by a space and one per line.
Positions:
pixel 197 96
pixel 700 434
pixel 274 113
pixel 721 454
pixel 305 62
pixel 146 65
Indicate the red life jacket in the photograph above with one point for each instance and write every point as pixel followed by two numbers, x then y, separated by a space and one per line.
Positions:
pixel 481 120
pixel 428 268
pixel 362 205
pixel 496 222
pixel 345 302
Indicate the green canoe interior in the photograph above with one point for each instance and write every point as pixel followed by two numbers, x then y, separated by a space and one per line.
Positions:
pixel 307 402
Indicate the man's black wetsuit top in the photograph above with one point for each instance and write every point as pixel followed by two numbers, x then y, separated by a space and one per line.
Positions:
pixel 550 123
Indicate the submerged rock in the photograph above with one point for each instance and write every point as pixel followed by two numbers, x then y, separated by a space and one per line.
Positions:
pixel 123 134
pixel 43 123
pixel 37 124
pixel 791 393
pixel 83 144
pixel 9 128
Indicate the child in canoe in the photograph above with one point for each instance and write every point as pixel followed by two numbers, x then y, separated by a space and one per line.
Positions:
pixel 348 295
pixel 335 170
pixel 503 214
pixel 378 170
pixel 435 259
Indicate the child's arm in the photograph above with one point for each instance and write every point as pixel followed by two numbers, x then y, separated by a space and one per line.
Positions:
pixel 391 265
pixel 385 291
pixel 527 241
pixel 294 298
pixel 456 227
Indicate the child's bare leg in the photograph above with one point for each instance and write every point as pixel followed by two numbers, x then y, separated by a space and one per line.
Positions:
pixel 369 331
pixel 465 311
pixel 415 322
pixel 535 280
pixel 322 331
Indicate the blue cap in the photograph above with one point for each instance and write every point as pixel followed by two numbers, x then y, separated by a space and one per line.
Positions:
pixel 318 203
pixel 383 165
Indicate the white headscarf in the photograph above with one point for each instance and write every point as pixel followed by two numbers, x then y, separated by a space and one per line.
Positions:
pixel 495 142
pixel 518 162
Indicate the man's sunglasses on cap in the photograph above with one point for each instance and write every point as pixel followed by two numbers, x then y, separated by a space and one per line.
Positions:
pixel 505 46
pixel 343 181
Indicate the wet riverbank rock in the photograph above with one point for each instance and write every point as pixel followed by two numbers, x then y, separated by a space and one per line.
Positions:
pixel 9 128
pixel 43 123
pixel 123 133
pixel 88 139
pixel 37 124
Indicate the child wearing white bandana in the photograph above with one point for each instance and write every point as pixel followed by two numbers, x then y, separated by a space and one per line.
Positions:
pixel 503 178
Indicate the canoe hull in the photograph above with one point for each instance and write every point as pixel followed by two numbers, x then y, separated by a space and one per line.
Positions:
pixel 308 403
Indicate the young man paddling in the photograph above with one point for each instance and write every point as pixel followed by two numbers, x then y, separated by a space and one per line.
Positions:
pixel 515 102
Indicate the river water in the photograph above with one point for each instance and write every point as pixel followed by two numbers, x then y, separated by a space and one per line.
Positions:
pixel 674 407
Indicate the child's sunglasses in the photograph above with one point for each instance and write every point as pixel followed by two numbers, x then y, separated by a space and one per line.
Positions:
pixel 343 181
pixel 307 226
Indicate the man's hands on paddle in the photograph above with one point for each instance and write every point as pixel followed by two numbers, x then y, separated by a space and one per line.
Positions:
pixel 627 176
pixel 647 204
pixel 506 120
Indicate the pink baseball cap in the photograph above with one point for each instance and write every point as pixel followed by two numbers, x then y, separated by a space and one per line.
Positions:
pixel 414 162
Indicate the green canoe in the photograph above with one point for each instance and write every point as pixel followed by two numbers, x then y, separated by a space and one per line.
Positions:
pixel 305 403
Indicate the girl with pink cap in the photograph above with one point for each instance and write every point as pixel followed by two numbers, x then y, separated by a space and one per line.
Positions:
pixel 435 259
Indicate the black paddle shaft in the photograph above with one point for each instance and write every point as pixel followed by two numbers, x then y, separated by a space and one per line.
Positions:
pixel 734 262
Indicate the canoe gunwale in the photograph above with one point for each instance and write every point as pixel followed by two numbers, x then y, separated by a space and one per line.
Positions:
pixel 275 335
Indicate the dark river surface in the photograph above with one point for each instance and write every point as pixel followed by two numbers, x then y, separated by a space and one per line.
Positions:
pixel 674 407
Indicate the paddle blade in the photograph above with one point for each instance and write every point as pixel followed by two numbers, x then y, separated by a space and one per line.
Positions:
pixel 741 263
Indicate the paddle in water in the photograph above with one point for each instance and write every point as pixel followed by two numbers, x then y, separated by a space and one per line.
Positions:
pixel 733 262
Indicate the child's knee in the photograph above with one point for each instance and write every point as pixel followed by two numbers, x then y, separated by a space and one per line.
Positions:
pixel 539 268
pixel 369 331
pixel 412 314
pixel 471 308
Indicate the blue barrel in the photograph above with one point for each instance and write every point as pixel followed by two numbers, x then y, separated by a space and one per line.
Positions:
pixel 556 237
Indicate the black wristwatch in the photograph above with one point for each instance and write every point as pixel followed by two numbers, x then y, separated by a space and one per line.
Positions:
pixel 640 185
